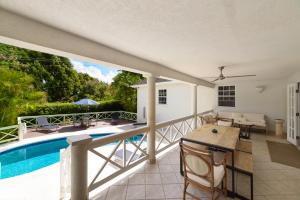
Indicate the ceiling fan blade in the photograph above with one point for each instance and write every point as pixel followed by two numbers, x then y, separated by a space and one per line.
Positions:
pixel 215 80
pixel 209 77
pixel 239 76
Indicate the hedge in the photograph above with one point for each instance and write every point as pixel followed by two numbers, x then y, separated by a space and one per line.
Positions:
pixel 67 108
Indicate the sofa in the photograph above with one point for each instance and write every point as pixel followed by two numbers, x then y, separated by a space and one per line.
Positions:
pixel 255 119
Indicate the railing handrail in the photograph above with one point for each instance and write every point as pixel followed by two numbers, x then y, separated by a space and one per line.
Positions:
pixel 97 142
pixel 205 112
pixel 173 121
pixel 70 114
pixel 8 127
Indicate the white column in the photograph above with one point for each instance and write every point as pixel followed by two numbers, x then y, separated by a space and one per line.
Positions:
pixel 151 118
pixel 79 148
pixel 22 129
pixel 194 105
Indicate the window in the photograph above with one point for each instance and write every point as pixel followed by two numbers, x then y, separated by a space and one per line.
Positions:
pixel 162 96
pixel 226 96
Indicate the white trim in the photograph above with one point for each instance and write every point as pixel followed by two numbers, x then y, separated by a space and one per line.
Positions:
pixel 158 84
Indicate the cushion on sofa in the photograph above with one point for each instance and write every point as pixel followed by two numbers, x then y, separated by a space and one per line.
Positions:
pixel 224 123
pixel 237 115
pixel 257 123
pixel 254 117
pixel 240 120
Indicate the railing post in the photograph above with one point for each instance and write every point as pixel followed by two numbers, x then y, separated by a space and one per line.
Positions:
pixel 79 163
pixel 194 105
pixel 151 118
pixel 22 129
pixel 19 120
pixel 124 153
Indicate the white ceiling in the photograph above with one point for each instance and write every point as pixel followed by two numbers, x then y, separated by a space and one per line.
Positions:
pixel 192 36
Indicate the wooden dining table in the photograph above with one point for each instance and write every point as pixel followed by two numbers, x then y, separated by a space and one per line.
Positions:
pixel 224 140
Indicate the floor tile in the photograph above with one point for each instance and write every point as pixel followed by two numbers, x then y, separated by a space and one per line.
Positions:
pixel 154 192
pixel 173 191
pixel 136 192
pixel 117 193
pixel 136 179
pixel 169 178
pixel 153 178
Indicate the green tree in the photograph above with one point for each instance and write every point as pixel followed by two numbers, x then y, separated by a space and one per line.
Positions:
pixel 16 92
pixel 122 90
pixel 52 74
pixel 91 88
pixel 56 77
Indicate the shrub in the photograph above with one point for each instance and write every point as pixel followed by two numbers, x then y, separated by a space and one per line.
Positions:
pixel 67 108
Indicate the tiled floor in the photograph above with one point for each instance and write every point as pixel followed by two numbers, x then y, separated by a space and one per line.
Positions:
pixel 272 181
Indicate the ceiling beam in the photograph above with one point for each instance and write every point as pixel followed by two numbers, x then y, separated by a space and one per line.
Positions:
pixel 28 33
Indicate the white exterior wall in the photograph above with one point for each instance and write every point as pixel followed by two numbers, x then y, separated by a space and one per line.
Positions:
pixel 141 104
pixel 295 77
pixel 271 102
pixel 179 101
pixel 206 98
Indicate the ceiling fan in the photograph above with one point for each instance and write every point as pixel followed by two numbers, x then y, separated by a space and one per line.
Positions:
pixel 222 77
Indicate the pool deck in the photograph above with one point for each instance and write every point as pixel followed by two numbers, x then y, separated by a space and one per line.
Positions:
pixel 32 132
pixel 33 136
pixel 47 180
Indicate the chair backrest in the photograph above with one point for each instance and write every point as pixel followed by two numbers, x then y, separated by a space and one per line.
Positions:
pixel 42 121
pixel 198 163
pixel 209 119
pixel 115 116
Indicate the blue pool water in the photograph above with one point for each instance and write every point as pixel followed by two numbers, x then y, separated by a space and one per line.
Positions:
pixel 31 157
pixel 28 158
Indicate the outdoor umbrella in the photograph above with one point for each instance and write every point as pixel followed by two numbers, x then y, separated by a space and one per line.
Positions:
pixel 86 102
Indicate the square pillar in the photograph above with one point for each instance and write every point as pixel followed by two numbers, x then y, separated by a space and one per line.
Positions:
pixel 79 166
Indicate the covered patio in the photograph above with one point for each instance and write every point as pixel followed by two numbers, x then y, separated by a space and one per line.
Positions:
pixel 184 41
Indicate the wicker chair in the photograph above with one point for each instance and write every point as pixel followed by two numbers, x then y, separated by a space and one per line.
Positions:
pixel 211 119
pixel 202 172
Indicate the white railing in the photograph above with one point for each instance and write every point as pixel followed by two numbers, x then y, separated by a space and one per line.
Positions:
pixel 128 116
pixel 64 119
pixel 170 132
pixel 9 133
pixel 113 155
pixel 118 153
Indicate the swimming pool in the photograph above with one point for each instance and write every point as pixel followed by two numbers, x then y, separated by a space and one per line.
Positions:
pixel 28 158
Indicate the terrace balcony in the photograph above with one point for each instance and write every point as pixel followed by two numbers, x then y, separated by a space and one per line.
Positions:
pixel 176 40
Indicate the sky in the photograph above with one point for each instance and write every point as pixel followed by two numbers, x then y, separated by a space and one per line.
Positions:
pixel 100 72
